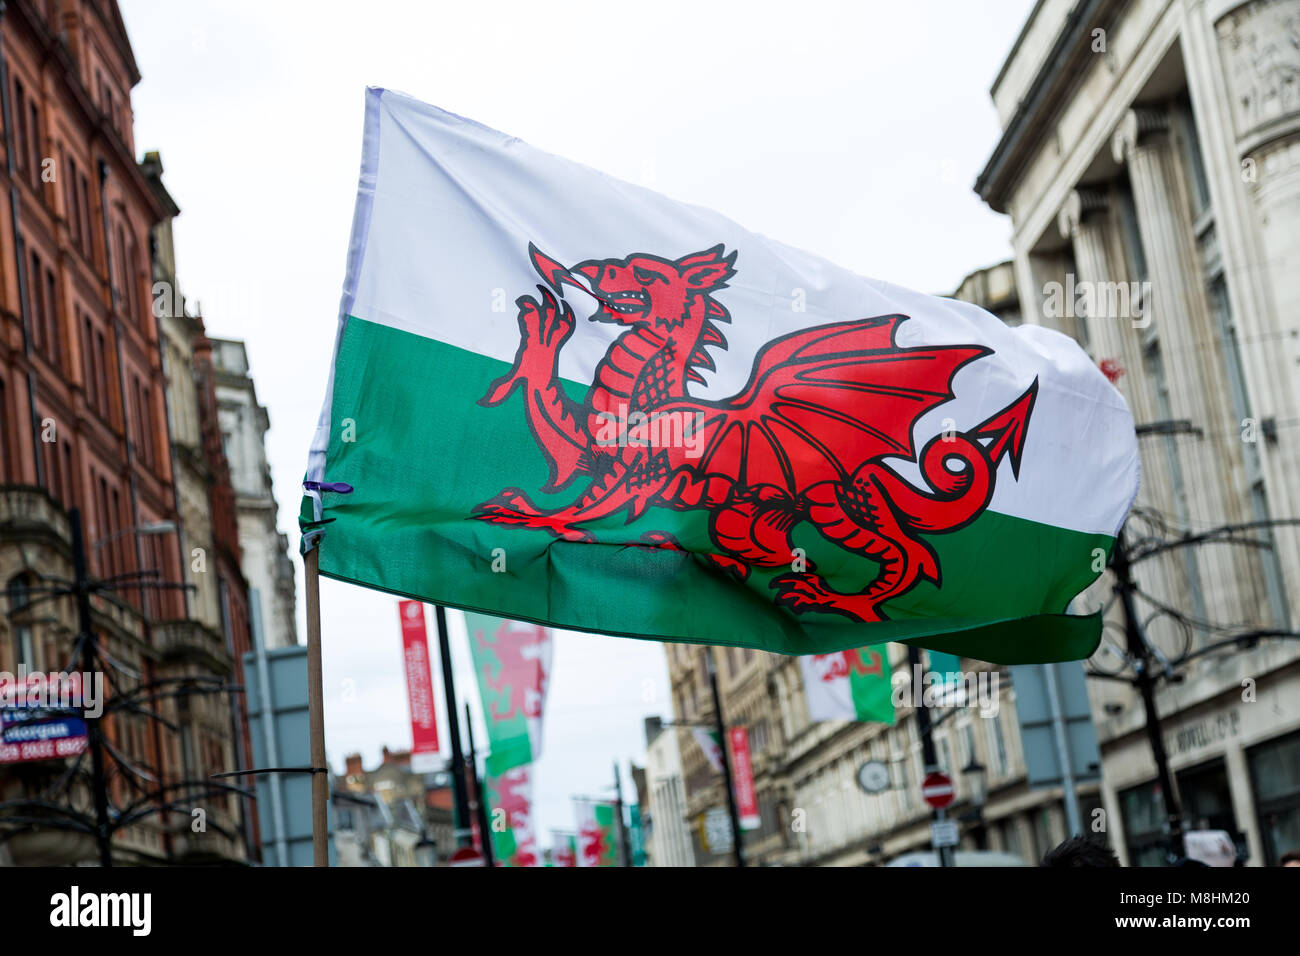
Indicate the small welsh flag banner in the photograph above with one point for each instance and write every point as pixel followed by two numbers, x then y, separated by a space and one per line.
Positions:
pixel 597 833
pixel 851 685
pixel 510 812
pixel 711 744
pixel 564 849
pixel 561 398
pixel 513 663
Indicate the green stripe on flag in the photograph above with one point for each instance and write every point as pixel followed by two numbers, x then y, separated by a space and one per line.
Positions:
pixel 873 694
pixel 408 434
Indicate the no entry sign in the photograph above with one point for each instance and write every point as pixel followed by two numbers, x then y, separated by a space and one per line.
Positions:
pixel 936 790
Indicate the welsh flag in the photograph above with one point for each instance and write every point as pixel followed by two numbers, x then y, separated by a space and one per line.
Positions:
pixel 510 815
pixel 597 832
pixel 561 398
pixel 513 663
pixel 564 849
pixel 709 742
pixel 850 685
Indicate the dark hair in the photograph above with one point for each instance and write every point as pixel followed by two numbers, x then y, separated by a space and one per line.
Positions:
pixel 1081 851
pixel 1291 857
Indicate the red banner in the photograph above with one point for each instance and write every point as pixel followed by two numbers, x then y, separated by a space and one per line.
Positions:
pixel 419 688
pixel 743 769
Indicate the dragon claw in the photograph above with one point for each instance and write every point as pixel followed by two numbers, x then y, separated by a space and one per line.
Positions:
pixel 804 592
pixel 512 506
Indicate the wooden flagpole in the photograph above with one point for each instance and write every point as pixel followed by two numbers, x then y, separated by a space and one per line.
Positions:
pixel 316 714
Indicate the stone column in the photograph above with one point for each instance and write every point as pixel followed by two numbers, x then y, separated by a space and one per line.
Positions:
pixel 1212 466
pixel 1258 53
pixel 1084 219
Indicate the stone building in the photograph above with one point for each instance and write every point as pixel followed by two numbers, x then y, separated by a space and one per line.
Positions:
pixel 409 807
pixel 668 841
pixel 745 692
pixel 218 630
pixel 266 561
pixel 1150 165
pixel 83 401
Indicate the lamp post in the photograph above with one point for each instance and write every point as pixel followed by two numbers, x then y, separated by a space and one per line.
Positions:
pixel 148 528
pixel 426 851
pixel 976 776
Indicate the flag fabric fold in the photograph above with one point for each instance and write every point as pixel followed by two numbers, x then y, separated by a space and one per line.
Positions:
pixel 561 398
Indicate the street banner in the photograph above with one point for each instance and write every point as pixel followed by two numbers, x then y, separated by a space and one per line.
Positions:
pixel 597 832
pixel 513 664
pixel 709 742
pixel 561 398
pixel 419 688
pixel 743 778
pixel 636 835
pixel 510 818
pixel 851 685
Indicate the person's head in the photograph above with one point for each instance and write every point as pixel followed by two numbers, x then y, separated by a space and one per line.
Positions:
pixel 1081 851
pixel 1290 859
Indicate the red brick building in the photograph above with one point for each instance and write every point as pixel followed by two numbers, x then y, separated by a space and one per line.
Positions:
pixel 84 408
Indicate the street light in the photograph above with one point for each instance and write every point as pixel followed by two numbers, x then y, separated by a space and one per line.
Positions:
pixel 149 527
pixel 426 851
pixel 976 776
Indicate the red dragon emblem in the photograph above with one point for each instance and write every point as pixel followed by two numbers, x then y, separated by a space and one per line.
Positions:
pixel 513 796
pixel 806 440
pixel 595 848
pixel 521 673
pixel 831 666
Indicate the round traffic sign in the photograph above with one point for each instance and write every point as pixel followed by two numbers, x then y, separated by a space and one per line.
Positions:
pixel 936 790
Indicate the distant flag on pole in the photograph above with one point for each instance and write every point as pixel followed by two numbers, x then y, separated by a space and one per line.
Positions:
pixel 564 849
pixel 513 664
pixel 510 817
pixel 597 832
pixel 710 743
pixel 851 685
pixel 561 398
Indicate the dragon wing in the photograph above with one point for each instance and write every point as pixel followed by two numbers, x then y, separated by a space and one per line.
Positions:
pixel 819 403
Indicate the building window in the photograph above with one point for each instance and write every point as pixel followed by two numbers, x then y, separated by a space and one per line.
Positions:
pixel 1275 779
pixel 1010 830
pixel 4 433
pixel 997 744
pixel 1043 830
pixel 1229 348
pixel 1154 365
pixel 87 237
pixel 1144 824
pixel 35 168
pixel 1207 799
pixel 20 126
pixel 19 592
pixel 1189 140
pixel 55 350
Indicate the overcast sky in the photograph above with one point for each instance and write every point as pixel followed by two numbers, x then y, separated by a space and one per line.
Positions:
pixel 853 130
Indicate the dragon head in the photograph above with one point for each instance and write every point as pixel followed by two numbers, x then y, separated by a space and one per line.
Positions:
pixel 645 289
